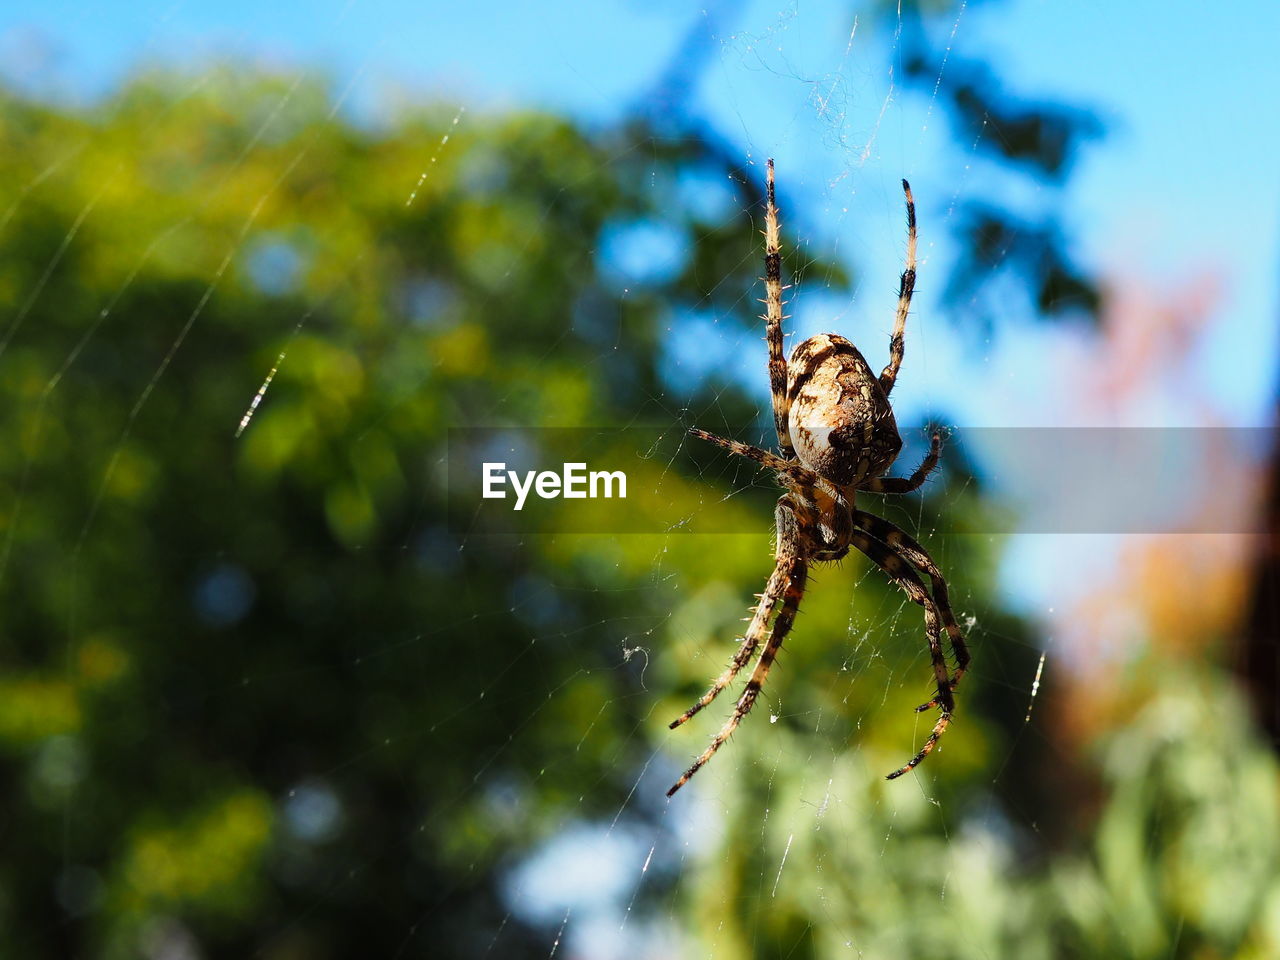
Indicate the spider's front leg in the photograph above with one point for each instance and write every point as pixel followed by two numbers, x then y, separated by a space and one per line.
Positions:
pixel 906 577
pixel 755 632
pixel 786 585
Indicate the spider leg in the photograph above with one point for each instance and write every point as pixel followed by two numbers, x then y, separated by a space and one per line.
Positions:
pixel 913 482
pixel 773 315
pixel 906 286
pixel 796 570
pixel 906 577
pixel 939 729
pixel 789 580
pixel 907 547
pixel 755 633
pixel 791 469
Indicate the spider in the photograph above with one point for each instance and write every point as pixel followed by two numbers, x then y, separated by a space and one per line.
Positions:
pixel 836 436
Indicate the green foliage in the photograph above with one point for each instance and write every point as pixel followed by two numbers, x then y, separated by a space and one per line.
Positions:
pixel 1186 858
pixel 822 859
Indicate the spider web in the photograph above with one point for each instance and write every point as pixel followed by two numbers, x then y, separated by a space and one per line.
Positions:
pixel 798 792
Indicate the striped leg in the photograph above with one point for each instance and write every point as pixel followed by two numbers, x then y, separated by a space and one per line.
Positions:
pixel 913 482
pixel 791 469
pixel 906 286
pixel 773 315
pixel 758 628
pixel 907 547
pixel 794 570
pixel 906 577
pixel 939 729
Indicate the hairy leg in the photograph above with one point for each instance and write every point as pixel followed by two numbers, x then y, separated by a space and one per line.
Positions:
pixel 795 571
pixel 799 475
pixel 913 482
pixel 773 316
pixel 906 286
pixel 906 577
pixel 757 629
pixel 908 548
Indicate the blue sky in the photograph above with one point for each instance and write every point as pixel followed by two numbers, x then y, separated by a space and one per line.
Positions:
pixel 1186 175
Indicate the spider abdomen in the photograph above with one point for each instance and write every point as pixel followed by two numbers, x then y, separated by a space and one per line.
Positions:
pixel 840 421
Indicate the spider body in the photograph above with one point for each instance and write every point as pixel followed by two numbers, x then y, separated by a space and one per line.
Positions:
pixel 836 436
pixel 840 423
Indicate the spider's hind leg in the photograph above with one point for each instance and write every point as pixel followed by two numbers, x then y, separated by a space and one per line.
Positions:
pixel 906 287
pixel 773 316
